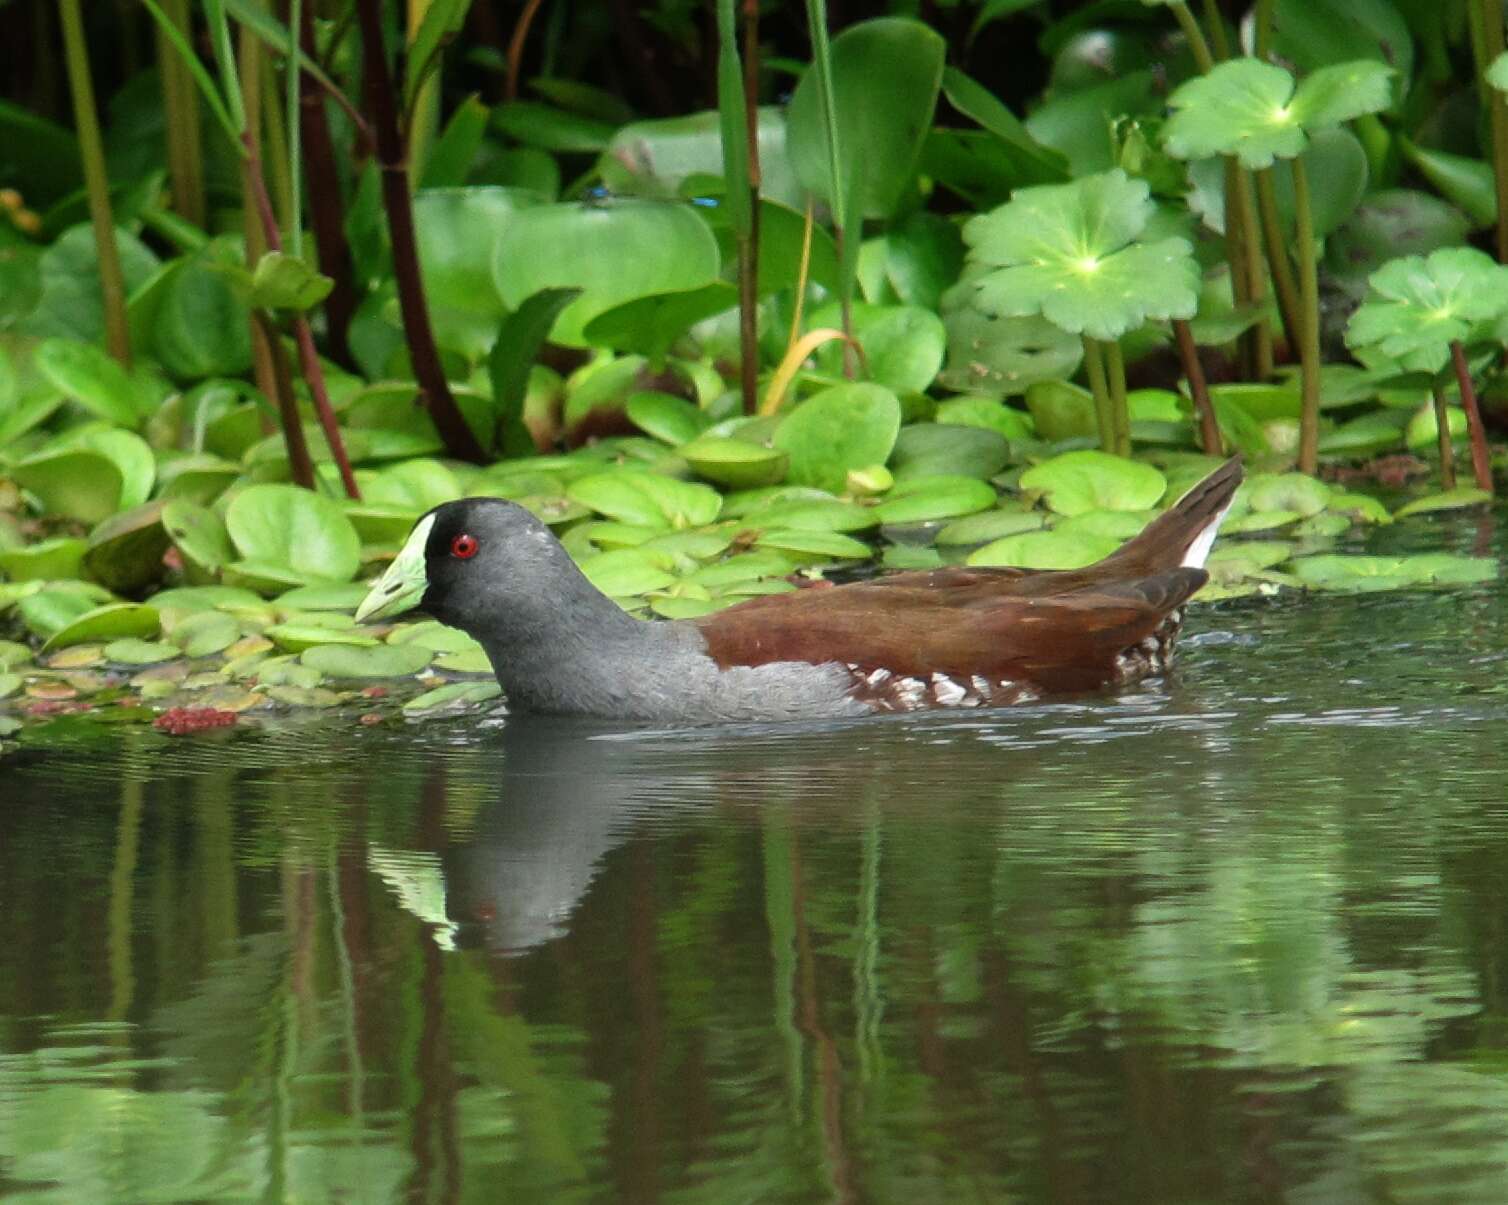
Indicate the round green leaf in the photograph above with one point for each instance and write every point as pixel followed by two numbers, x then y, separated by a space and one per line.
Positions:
pixel 1455 499
pixel 285 526
pixel 988 525
pixel 938 449
pixel 933 498
pixel 1287 491
pixel 814 543
pixel 1417 305
pixel 125 551
pixel 649 499
pixel 614 253
pixel 46 560
pixel 204 633
pixel 735 463
pixel 377 661
pixel 132 650
pixel 452 694
pixel 668 418
pixel 90 377
pixel 838 430
pixel 105 623
pixel 1061 410
pixel 1083 481
pixel 1045 550
pixel 990 413
pixel 629 571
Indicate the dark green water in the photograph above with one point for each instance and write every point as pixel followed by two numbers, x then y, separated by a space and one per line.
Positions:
pixel 1242 936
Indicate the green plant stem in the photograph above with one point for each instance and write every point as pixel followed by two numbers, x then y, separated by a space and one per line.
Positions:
pixel 748 299
pixel 1262 33
pixel 245 86
pixel 181 111
pixel 1104 414
pixel 1481 461
pixel 1115 371
pixel 841 200
pixel 397 203
pixel 325 208
pixel 1204 409
pixel 1497 111
pixel 96 181
pixel 293 115
pixel 1442 433
pixel 1309 318
pixel 1195 36
pixel 1216 22
pixel 1248 276
pixel 425 113
pixel 743 195
pixel 1284 284
pixel 276 164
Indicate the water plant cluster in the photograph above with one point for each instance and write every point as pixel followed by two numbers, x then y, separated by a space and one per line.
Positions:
pixel 288 282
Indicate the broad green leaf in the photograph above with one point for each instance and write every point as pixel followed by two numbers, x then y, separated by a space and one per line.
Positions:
pixel 357 661
pixel 1061 410
pixel 1251 109
pixel 125 551
pixel 1083 481
pixel 109 622
pixel 990 413
pixel 988 525
pixel 813 514
pixel 735 463
pixel 199 326
pixel 45 560
pixel 1117 525
pixel 1045 550
pixel 635 496
pixel 820 544
pixel 286 282
pixel 652 324
pixel 629 571
pixel 614 253
pixel 843 428
pixel 932 498
pixel 903 344
pixel 664 416
pixel 879 129
pixel 1286 491
pixel 1371 573
pixel 1418 305
pixel 1068 252
pixel 307 534
pixel 550 128
pixel 132 650
pixel 204 633
pixel 1003 356
pixel 978 103
pixel 200 537
pixel 452 695
pixel 86 374
pixel 1455 499
pixel 82 484
pixel 936 449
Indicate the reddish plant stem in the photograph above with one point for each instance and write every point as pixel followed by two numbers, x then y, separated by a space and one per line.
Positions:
pixel 313 371
pixel 516 47
pixel 434 389
pixel 1209 429
pixel 300 464
pixel 1481 464
pixel 324 201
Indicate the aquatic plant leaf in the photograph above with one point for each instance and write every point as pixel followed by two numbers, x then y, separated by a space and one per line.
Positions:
pixel 283 525
pixel 735 463
pixel 934 449
pixel 636 496
pixel 1455 499
pixel 1370 573
pixel 132 650
pixel 1297 492
pixel 629 571
pixel 46 560
pixel 670 419
pixel 903 344
pixel 1003 356
pixel 927 499
pixel 813 514
pixel 453 695
pixel 1253 110
pixel 1417 305
pixel 838 430
pixel 1069 252
pixel 1076 482
pixel 125 551
pixel 379 661
pixel 204 633
pixel 84 485
pixel 92 378
pixel 108 622
pixel 286 282
pixel 821 544
pixel 1045 550
pixel 1061 410
pixel 1117 525
pixel 989 525
pixel 990 413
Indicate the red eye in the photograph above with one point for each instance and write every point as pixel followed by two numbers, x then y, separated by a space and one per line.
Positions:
pixel 464 546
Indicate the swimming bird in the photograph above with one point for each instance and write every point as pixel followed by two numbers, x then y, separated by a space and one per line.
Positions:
pixel 958 636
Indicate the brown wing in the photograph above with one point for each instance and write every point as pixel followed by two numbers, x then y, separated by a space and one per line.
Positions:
pixel 1001 625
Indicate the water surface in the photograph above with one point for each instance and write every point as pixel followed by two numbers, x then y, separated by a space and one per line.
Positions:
pixel 1241 935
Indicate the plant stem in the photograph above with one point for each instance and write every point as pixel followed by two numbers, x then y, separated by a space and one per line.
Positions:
pixel 293 115
pixel 325 203
pixel 1481 463
pixel 314 373
pixel 96 181
pixel 1216 23
pixel 1442 432
pixel 749 279
pixel 1240 216
pixel 1115 365
pixel 1195 36
pixel 516 46
pixel 1497 110
pixel 181 109
pixel 300 465
pixel 434 389
pixel 1262 35
pixel 1309 332
pixel 743 195
pixel 1204 409
pixel 275 164
pixel 840 198
pixel 426 108
pixel 1094 368
pixel 246 92
pixel 803 271
pixel 1289 303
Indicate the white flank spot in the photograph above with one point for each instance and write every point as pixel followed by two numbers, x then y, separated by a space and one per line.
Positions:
pixel 908 691
pixel 1199 550
pixel 981 685
pixel 879 676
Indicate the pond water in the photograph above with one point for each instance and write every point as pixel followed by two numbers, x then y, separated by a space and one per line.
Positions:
pixel 1241 935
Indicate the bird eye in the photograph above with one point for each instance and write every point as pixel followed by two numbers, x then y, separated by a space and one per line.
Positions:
pixel 464 546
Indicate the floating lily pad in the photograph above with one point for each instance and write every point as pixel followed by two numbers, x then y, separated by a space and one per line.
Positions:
pixel 110 622
pixel 303 532
pixel 432 634
pixel 1455 499
pixel 203 633
pixel 134 651
pixel 744 568
pixel 987 526
pixel 1374 573
pixel 1045 550
pixel 202 598
pixel 296 637
pixel 682 607
pixel 926 499
pixel 452 695
pixel 735 463
pixel 1117 525
pixel 838 430
pixel 635 496
pixel 1260 520
pixel 1362 508
pixel 46 560
pixel 816 515
pixel 1324 526
pixel 344 597
pixel 629 571
pixel 1287 491
pixel 9 685
pixel 287 670
pixel 814 543
pixel 374 661
pixel 467 661
pixel 987 412
pixel 937 449
pixel 1082 481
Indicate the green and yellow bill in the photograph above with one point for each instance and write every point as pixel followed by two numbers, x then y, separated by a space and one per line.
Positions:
pixel 402 587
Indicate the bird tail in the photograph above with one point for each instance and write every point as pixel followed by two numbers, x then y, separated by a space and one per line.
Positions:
pixel 1184 533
